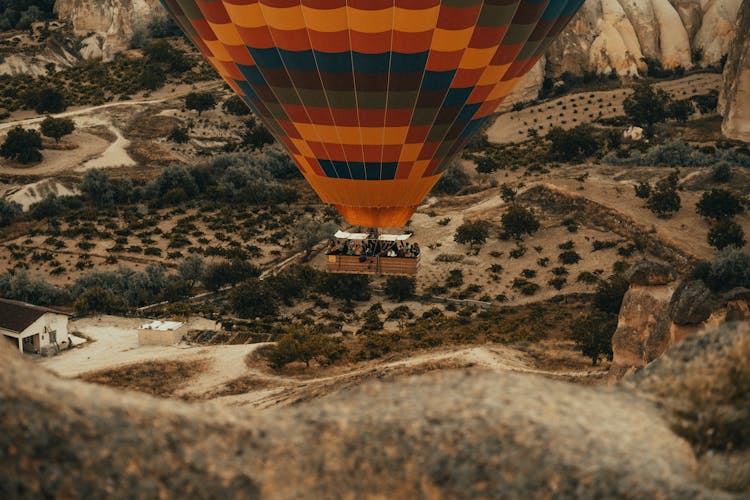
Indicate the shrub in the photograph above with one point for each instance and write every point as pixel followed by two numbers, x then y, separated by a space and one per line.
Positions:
pixel 9 212
pixel 569 257
pixel 252 298
pixel 19 285
pixel 220 274
pixel 346 286
pixel 303 343
pixel 729 269
pixel 46 100
pixel 643 190
pixel 236 106
pixel 525 286
pixel 572 145
pixel 719 203
pixel 557 283
pixel 664 200
pixel 400 288
pixel 453 180
pixel 96 187
pixel 200 101
pixel 722 172
pixel 178 135
pixel 726 233
pixel 455 278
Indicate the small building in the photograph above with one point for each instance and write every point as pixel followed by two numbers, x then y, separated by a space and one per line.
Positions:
pixel 34 329
pixel 161 333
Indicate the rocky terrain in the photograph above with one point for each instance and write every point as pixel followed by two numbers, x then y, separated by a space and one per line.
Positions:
pixel 452 434
pixel 734 99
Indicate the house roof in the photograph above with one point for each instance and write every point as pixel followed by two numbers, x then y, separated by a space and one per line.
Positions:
pixel 17 316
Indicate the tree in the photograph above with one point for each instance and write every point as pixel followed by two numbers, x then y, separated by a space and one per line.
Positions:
pixel 97 188
pixel 56 128
pixel 454 179
pixel 664 200
pixel 220 274
pixel 309 232
pixel 680 110
pixel 191 269
pixel 400 288
pixel 236 106
pixel 200 101
pixel 518 221
pixel 643 190
pixel 347 286
pixel 178 135
pixel 609 294
pixel 725 233
pixel 572 145
pixel 472 233
pixel 303 343
pixel 719 203
pixel 593 335
pixel 22 145
pixel 646 107
pixel 100 300
pixel 252 299
pixel 507 193
pixel 46 100
pixel 9 212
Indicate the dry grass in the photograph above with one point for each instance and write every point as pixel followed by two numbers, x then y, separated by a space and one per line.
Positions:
pixel 158 378
pixel 242 385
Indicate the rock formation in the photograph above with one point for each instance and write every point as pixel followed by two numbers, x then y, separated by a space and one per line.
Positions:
pixel 734 99
pixel 657 313
pixel 611 35
pixel 115 21
pixel 452 434
pixel 642 332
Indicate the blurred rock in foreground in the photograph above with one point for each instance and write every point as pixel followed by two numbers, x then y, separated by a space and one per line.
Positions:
pixel 452 434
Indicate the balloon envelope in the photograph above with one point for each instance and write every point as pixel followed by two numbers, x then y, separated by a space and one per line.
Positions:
pixel 372 98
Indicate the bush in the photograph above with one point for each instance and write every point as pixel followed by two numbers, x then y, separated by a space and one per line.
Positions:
pixel 252 298
pixel 453 180
pixel 236 106
pixel 220 274
pixel 729 269
pixel 664 200
pixel 20 286
pixel 726 233
pixel 722 172
pixel 719 203
pixel 400 288
pixel 179 135
pixel 303 343
pixel 100 300
pixel 569 257
pixel 22 145
pixel 134 288
pixel 575 144
pixel 472 233
pixel 346 286
pixel 455 278
pixel 45 100
pixel 96 187
pixel 9 212
pixel 525 286
pixel 518 221
pixel 200 101
pixel 643 190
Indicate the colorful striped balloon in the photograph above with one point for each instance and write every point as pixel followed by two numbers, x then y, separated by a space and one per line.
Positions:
pixel 372 98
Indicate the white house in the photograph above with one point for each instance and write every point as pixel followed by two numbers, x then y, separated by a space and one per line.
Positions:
pixel 33 328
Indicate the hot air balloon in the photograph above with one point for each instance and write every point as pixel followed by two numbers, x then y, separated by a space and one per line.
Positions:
pixel 372 98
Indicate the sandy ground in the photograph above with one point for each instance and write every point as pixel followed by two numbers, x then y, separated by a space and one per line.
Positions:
pixel 116 344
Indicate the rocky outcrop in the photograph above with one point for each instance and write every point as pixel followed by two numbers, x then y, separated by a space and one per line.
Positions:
pixel 643 325
pixel 453 434
pixel 734 98
pixel 614 35
pixel 115 21
pixel 656 314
